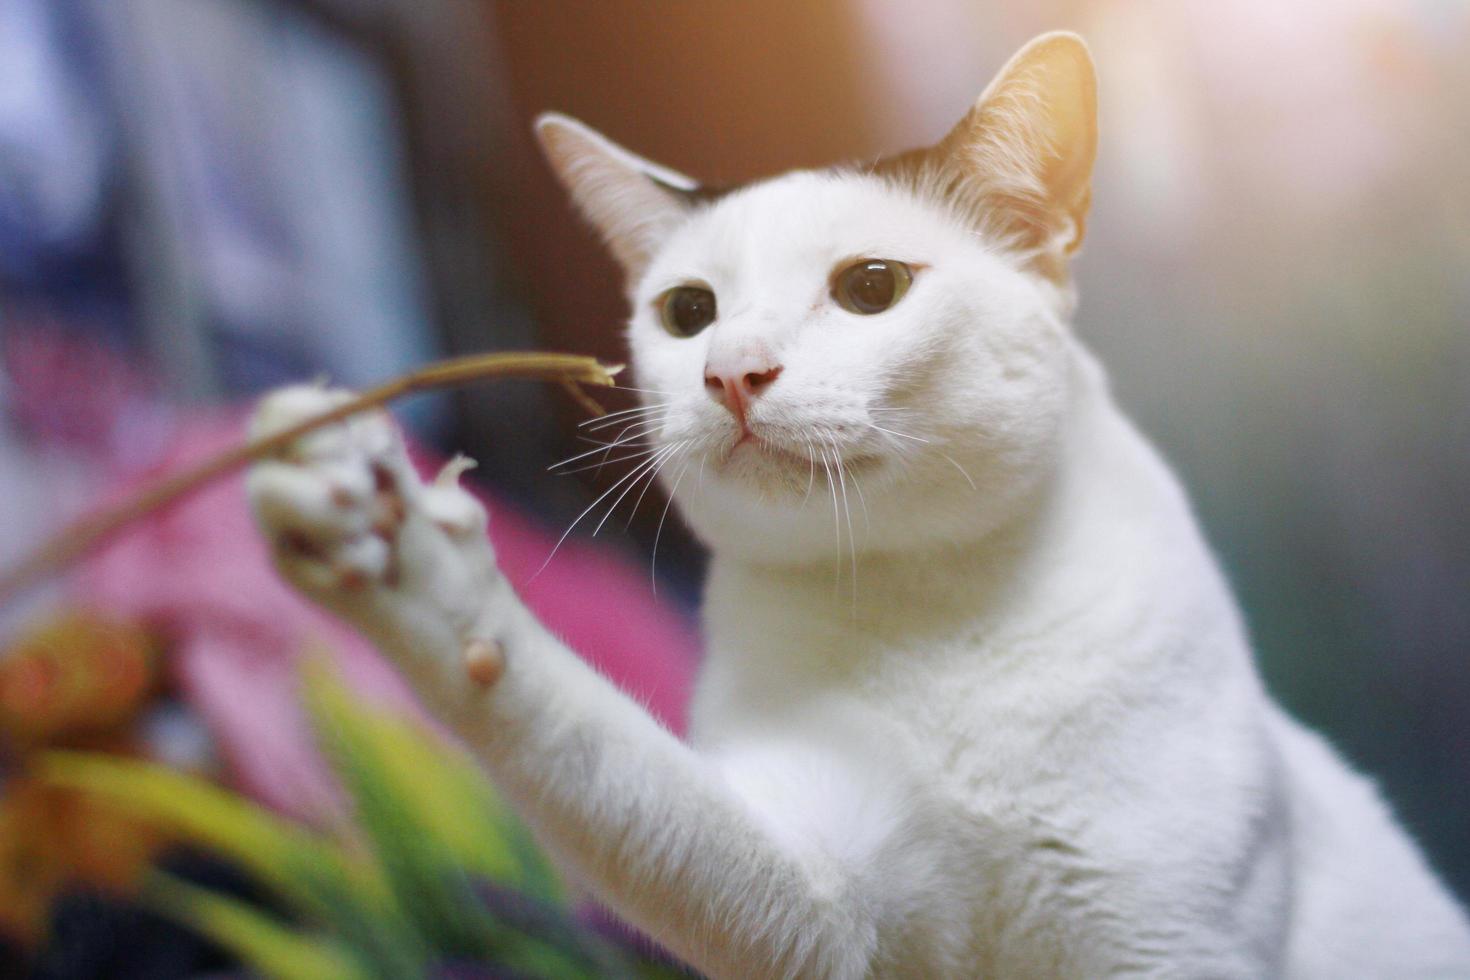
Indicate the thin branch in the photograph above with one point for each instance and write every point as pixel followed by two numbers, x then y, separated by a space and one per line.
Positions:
pixel 80 537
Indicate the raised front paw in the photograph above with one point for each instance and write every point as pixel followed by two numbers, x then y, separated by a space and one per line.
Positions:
pixel 352 526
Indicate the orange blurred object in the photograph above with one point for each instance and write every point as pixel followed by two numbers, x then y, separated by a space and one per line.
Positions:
pixel 73 675
pixel 76 679
pixel 50 838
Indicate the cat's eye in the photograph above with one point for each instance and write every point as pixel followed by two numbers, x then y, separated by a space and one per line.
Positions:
pixel 686 310
pixel 871 286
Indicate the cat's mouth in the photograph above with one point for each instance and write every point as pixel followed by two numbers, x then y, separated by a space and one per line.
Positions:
pixel 749 442
pixel 750 448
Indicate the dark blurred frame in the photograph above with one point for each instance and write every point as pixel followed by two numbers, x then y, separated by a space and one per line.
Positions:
pixel 440 59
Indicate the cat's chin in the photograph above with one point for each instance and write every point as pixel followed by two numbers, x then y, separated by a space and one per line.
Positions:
pixel 772 468
pixel 762 466
pixel 752 450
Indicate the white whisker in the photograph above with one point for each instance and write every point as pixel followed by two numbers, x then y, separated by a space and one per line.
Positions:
pixel 894 432
pixel 646 391
pixel 867 518
pixel 590 507
pixel 638 427
pixel 653 477
pixel 836 526
pixel 627 425
pixel 847 515
pixel 642 468
pixel 628 435
pixel 635 410
pixel 602 447
pixel 653 558
pixel 643 416
pixel 957 466
pixel 604 444
pixel 811 471
pixel 904 435
pixel 609 462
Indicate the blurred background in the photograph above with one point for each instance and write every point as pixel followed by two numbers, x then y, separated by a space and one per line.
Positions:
pixel 200 199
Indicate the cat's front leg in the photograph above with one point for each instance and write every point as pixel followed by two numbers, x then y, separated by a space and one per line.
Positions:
pixel 657 832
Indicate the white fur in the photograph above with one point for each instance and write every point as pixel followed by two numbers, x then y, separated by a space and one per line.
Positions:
pixel 977 700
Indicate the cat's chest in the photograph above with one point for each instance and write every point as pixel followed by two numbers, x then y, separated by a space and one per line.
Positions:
pixel 904 776
pixel 984 749
pixel 969 717
pixel 995 711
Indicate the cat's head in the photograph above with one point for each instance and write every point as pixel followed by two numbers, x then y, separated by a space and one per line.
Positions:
pixel 875 354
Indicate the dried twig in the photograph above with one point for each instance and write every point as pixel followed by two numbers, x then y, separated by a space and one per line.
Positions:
pixel 80 537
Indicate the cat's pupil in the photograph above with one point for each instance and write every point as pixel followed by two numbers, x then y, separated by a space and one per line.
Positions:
pixel 687 310
pixel 872 286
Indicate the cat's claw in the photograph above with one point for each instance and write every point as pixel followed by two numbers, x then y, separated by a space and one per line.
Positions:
pixel 352 526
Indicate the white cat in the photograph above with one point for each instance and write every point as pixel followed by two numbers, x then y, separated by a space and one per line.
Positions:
pixel 977 700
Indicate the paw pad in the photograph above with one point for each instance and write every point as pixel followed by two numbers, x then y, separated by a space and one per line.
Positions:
pixel 484 661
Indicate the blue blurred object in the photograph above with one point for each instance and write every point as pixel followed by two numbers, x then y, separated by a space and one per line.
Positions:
pixel 218 185
pixel 56 144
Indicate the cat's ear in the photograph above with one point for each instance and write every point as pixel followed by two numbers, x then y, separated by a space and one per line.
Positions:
pixel 633 202
pixel 1021 159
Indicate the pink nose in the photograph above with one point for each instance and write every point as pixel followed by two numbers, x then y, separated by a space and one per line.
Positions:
pixel 736 388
